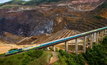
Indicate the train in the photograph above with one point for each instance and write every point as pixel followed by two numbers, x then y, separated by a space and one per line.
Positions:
pixel 52 42
pixel 27 48
pixel 22 49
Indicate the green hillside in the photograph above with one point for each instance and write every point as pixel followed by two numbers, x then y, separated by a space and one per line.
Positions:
pixel 31 2
pixel 95 56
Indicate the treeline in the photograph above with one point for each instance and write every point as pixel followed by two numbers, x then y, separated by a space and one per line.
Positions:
pixel 22 2
pixel 95 56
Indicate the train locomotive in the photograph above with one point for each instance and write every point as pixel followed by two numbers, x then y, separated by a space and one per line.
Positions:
pixel 22 49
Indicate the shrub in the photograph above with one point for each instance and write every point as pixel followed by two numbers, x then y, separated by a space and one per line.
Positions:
pixel 21 58
pixel 97 17
pixel 44 48
pixel 51 49
pixel 7 7
pixel 97 55
pixel 57 50
pixel 13 49
pixel 1 54
pixel 36 53
pixel 104 5
pixel 72 59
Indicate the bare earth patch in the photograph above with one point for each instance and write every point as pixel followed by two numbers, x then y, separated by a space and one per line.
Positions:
pixel 4 49
pixel 54 58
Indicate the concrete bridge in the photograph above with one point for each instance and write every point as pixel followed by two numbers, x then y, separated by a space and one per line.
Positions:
pixel 94 36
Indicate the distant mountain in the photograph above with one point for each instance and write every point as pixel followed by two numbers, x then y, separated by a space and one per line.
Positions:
pixel 31 2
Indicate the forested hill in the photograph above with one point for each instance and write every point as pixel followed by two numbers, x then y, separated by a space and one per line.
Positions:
pixel 30 2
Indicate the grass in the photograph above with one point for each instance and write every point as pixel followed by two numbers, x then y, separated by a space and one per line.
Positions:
pixel 95 56
pixel 1 54
pixel 69 59
pixel 7 7
pixel 97 17
pixel 42 60
pixel 21 58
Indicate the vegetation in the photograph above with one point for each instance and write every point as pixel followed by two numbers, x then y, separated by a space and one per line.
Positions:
pixel 7 7
pixel 42 60
pixel 69 59
pixel 22 58
pixel 1 54
pixel 13 49
pixel 97 55
pixel 97 17
pixel 104 5
pixel 51 49
pixel 31 2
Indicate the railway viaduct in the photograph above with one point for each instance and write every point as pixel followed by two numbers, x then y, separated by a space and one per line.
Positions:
pixel 95 36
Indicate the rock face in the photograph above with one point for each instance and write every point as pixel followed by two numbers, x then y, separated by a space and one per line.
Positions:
pixel 85 5
pixel 43 20
pixel 25 23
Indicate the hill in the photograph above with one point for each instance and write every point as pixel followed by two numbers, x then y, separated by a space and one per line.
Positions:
pixel 30 2
pixel 27 25
pixel 95 56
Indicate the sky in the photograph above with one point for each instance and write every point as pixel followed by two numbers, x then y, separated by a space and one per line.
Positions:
pixel 2 1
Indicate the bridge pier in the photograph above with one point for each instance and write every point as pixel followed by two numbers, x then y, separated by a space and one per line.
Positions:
pixel 94 37
pixel 97 37
pixel 91 41
pixel 102 33
pixel 48 48
pixel 76 46
pixel 105 32
pixel 53 47
pixel 84 44
pixel 66 46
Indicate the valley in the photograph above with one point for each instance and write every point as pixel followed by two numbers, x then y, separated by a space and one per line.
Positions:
pixel 26 26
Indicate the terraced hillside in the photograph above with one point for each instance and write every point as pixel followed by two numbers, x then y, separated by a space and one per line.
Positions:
pixel 46 23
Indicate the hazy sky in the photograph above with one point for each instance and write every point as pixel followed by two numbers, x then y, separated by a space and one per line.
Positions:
pixel 2 1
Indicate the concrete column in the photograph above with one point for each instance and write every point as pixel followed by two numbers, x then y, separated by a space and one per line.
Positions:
pixel 48 48
pixel 102 33
pixel 66 46
pixel 105 32
pixel 76 46
pixel 91 41
pixel 53 47
pixel 97 37
pixel 94 37
pixel 84 44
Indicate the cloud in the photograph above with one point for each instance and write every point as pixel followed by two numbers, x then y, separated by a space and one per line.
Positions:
pixel 2 1
pixel 27 0
pixel 6 0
